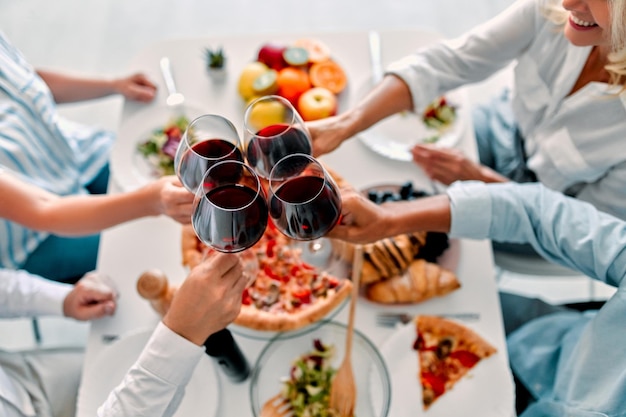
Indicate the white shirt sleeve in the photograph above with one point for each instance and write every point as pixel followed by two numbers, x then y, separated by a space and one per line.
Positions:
pixel 156 383
pixel 434 70
pixel 23 294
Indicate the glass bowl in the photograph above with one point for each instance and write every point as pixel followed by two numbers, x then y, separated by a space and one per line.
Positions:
pixel 370 372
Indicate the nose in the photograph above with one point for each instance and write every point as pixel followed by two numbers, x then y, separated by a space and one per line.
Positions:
pixel 575 5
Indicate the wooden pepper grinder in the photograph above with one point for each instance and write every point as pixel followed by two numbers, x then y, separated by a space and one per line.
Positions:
pixel 154 286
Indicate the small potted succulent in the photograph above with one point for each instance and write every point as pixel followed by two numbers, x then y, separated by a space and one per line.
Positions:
pixel 215 62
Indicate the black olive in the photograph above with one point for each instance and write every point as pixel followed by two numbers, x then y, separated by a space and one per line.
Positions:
pixel 444 347
pixel 387 196
pixel 372 195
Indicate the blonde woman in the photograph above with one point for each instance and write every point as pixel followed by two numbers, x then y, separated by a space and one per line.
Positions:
pixel 563 124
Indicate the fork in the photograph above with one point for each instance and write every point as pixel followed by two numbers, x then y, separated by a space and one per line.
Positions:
pixel 277 406
pixel 391 319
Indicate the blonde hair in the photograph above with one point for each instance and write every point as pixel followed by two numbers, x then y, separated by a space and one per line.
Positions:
pixel 617 57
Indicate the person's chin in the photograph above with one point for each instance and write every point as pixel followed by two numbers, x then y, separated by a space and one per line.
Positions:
pixel 577 38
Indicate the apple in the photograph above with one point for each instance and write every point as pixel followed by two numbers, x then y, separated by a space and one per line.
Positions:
pixel 317 103
pixel 247 77
pixel 271 54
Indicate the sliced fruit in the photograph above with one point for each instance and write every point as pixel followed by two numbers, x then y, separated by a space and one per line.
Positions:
pixel 247 77
pixel 329 75
pixel 318 50
pixel 266 83
pixel 296 56
pixel 292 82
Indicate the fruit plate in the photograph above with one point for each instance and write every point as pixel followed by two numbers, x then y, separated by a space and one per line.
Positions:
pixel 394 136
pixel 487 391
pixel 129 168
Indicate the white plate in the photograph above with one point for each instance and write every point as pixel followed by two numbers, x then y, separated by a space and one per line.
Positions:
pixel 201 395
pixel 129 169
pixel 486 391
pixel 394 136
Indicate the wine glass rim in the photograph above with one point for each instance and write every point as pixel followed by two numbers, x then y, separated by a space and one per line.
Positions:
pixel 202 194
pixel 288 123
pixel 230 126
pixel 312 160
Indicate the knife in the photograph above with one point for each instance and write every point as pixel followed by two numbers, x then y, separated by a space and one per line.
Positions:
pixel 375 57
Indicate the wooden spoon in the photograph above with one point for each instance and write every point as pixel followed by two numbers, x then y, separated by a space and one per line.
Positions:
pixel 343 388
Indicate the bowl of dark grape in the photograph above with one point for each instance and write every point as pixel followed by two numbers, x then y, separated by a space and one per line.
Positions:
pixel 393 192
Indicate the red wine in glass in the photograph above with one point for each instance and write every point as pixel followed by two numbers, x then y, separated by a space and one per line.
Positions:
pixel 273 143
pixel 236 220
pixel 207 140
pixel 306 204
pixel 230 211
pixel 201 156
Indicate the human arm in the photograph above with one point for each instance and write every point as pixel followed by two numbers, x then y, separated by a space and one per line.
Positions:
pixel 207 301
pixel 69 88
pixel 38 209
pixel 414 81
pixel 448 165
pixel 562 229
pixel 25 295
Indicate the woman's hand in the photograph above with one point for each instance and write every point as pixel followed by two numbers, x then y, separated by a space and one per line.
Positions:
pixel 327 134
pixel 450 165
pixel 136 87
pixel 174 200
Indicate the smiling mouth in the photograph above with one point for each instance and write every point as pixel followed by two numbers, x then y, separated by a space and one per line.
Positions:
pixel 581 24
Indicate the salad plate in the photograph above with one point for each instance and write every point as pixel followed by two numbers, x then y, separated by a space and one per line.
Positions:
pixel 394 136
pixel 275 370
pixel 129 167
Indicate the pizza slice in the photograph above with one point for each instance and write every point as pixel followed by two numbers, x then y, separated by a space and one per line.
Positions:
pixel 446 351
pixel 287 293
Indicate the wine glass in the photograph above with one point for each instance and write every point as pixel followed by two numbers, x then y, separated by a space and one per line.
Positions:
pixel 208 139
pixel 229 209
pixel 304 201
pixel 273 129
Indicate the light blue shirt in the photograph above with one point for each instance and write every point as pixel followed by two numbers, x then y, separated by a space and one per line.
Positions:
pixel 574 363
pixel 40 147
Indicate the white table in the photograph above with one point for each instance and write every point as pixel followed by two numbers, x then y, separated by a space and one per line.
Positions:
pixel 128 250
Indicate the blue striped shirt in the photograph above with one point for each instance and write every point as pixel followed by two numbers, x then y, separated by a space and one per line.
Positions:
pixel 39 146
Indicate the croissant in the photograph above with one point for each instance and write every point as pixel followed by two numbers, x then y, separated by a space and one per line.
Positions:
pixel 384 258
pixel 422 281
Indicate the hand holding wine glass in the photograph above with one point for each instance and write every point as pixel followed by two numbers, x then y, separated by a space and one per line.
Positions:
pixel 273 129
pixel 304 201
pixel 207 140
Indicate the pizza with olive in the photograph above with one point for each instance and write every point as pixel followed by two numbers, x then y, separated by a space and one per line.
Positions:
pixel 447 351
pixel 287 293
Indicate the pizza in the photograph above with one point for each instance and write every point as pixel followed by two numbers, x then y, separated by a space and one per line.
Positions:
pixel 446 351
pixel 287 293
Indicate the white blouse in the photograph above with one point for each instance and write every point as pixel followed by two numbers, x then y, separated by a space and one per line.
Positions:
pixel 571 141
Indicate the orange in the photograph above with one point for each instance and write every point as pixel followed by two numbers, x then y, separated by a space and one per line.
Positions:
pixel 292 82
pixel 318 50
pixel 329 75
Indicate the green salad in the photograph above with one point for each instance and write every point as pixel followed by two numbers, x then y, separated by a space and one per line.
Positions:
pixel 160 148
pixel 308 386
pixel 439 114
